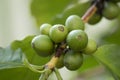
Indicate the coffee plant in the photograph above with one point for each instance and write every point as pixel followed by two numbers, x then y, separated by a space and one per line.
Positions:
pixel 64 42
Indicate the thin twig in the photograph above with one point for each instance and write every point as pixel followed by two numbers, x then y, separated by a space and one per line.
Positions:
pixel 89 13
pixel 57 74
pixel 45 75
pixel 28 65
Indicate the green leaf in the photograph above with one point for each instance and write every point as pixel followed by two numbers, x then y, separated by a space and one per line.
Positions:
pixel 10 58
pixel 109 55
pixel 89 63
pixel 15 51
pixel 114 37
pixel 20 73
pixel 11 65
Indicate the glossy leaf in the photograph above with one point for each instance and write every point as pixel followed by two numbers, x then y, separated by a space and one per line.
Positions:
pixel 15 54
pixel 109 55
pixel 11 66
pixel 10 58
pixel 20 73
pixel 114 37
pixel 89 63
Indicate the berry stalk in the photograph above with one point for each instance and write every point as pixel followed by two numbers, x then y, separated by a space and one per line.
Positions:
pixel 57 74
pixel 89 13
pixel 97 5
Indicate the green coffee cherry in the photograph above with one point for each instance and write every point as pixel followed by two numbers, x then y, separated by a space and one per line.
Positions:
pixel 60 62
pixel 91 47
pixel 58 33
pixel 111 10
pixel 77 40
pixel 73 60
pixel 95 19
pixel 44 28
pixel 43 45
pixel 74 22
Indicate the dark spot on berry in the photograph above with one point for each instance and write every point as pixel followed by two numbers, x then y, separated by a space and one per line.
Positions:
pixel 79 37
pixel 61 28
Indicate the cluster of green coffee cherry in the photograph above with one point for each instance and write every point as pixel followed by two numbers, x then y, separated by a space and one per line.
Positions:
pixel 72 35
pixel 110 11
